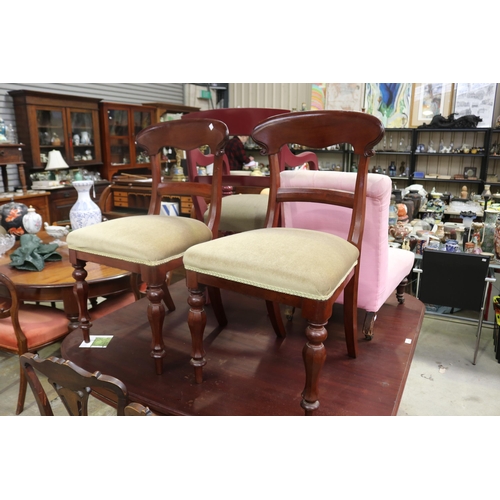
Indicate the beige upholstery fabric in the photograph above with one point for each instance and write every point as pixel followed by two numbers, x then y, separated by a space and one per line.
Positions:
pixel 242 212
pixel 300 262
pixel 144 239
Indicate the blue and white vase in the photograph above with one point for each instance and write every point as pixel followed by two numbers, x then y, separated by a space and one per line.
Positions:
pixel 84 212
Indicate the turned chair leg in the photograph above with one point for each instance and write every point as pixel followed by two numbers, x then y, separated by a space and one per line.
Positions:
pixel 314 355
pixel 156 316
pixel 197 320
pixel 369 325
pixel 400 291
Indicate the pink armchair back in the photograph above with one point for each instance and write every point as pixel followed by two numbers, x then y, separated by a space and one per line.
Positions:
pixel 382 268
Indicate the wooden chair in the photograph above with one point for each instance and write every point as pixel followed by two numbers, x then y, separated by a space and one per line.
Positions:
pixel 301 268
pixel 74 385
pixel 248 210
pixel 152 245
pixel 27 328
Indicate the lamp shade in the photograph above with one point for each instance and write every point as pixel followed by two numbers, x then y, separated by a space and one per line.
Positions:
pixel 56 161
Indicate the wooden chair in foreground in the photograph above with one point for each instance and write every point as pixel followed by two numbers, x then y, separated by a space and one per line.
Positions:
pixel 152 245
pixel 74 385
pixel 301 268
pixel 27 328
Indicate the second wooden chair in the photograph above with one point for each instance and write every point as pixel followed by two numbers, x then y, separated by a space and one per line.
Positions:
pixel 153 245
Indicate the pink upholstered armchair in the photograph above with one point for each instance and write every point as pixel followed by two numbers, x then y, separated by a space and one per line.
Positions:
pixel 382 269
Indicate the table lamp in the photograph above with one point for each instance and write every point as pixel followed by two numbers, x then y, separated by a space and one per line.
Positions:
pixel 55 163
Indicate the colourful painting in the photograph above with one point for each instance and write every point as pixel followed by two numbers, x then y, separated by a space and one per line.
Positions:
pixel 318 96
pixel 390 102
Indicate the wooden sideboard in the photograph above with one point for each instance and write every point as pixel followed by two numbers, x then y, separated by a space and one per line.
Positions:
pixel 131 196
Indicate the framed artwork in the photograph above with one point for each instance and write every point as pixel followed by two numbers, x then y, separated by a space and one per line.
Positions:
pixel 476 99
pixel 390 102
pixel 429 100
pixel 345 96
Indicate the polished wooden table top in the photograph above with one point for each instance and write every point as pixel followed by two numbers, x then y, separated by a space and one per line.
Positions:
pixel 55 281
pixel 249 370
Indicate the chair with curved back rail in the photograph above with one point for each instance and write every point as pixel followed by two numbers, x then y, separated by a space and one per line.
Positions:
pixel 296 267
pixel 74 386
pixel 245 211
pixel 152 245
pixel 27 328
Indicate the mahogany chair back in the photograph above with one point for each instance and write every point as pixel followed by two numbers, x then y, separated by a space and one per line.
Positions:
pixel 74 385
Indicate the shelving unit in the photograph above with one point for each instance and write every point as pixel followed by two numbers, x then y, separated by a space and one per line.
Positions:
pixel 448 169
pixel 493 160
pixel 478 167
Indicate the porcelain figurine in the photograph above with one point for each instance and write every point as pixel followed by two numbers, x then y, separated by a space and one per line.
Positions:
pixel 85 139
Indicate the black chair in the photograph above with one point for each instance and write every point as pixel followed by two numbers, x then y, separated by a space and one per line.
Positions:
pixel 456 280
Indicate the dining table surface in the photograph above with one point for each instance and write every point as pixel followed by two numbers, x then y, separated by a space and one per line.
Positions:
pixel 54 283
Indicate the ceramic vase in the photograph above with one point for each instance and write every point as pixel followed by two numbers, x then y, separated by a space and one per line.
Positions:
pixel 32 221
pixel 84 212
pixel 12 218
pixel 490 221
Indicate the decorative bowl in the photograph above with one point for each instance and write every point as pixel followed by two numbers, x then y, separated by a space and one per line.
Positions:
pixel 56 232
pixel 7 241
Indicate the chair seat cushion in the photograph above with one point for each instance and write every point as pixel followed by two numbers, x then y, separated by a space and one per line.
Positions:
pixel 300 262
pixel 143 239
pixel 40 324
pixel 242 212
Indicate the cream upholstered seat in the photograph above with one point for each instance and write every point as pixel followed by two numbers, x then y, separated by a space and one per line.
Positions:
pixel 152 245
pixel 297 267
pixel 275 265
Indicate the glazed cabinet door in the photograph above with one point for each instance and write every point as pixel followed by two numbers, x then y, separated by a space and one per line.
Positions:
pixel 83 137
pixel 48 126
pixel 142 119
pixel 118 135
pixel 120 124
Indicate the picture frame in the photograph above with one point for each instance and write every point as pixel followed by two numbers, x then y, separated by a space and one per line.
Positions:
pixel 345 96
pixel 429 100
pixel 475 99
pixel 389 102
